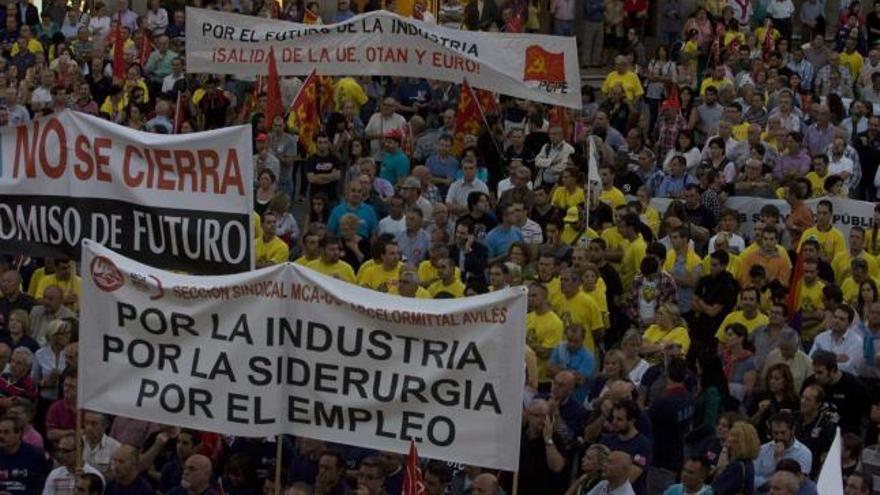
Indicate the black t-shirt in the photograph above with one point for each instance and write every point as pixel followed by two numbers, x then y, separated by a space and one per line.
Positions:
pixel 700 216
pixel 600 215
pixel 541 219
pixel 526 156
pixel 715 289
pixel 671 416
pixel 628 183
pixel 818 434
pixel 850 397
pixel 483 224
pixel 317 164
pixel 534 475
pixel 872 22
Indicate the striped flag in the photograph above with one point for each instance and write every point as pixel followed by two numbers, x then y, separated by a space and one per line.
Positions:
pixel 305 116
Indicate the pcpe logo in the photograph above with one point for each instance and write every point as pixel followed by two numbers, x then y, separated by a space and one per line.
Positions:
pixel 106 275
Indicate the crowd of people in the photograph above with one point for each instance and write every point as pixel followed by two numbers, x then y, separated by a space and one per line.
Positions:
pixel 668 351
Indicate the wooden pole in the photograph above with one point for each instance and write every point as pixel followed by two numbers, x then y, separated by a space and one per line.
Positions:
pixel 278 464
pixel 79 440
pixel 515 490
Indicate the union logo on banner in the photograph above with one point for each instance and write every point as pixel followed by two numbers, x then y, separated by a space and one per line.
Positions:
pixel 106 275
pixel 544 66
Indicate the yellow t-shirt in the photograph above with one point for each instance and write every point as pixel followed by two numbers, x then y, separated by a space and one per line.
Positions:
pixel 377 277
pixel 613 240
pixel 692 261
pixel 421 292
pixel 854 62
pixel 274 252
pixel 740 317
pixel 36 277
pixel 74 284
pixel 258 226
pixel 817 184
pixel 612 197
pixel 843 269
pixel 731 268
pixel 678 335
pixel 809 299
pixel 575 238
pixel 712 83
pixel 554 288
pixel 632 86
pixel 427 272
pixel 456 288
pixel 653 219
pixel 33 46
pixel 340 270
pixel 302 260
pixel 543 331
pixel 365 267
pixel 632 261
pixel 832 242
pixel 850 289
pixel 564 200
pixel 580 309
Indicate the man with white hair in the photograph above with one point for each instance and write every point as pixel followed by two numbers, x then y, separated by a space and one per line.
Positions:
pixel 17 381
pixel 196 477
pixel 784 483
pixel 616 475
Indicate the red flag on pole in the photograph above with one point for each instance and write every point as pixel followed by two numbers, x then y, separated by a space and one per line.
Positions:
pixel 118 54
pixel 274 105
pixel 468 118
pixel 413 484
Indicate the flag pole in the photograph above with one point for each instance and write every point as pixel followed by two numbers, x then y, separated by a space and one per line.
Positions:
pixel 278 464
pixel 515 490
pixel 79 440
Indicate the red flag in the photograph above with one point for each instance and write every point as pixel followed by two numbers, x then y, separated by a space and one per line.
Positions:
pixel 468 118
pixel 796 277
pixel 413 483
pixel 310 17
pixel 146 49
pixel 560 116
pixel 672 97
pixel 304 114
pixel 274 106
pixel 118 54
pixel 487 101
pixel 542 65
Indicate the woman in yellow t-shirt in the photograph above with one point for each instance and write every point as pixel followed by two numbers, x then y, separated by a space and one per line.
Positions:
pixel 569 193
pixel 595 287
pixel 669 329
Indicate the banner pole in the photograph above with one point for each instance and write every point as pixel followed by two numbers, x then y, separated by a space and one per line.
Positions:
pixel 79 440
pixel 515 490
pixel 277 464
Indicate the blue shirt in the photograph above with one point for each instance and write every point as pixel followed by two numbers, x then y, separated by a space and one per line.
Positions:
pixel 414 249
pixel 765 464
pixel 499 239
pixel 580 361
pixel 365 213
pixel 445 168
pixel 395 166
pixel 674 185
pixel 139 487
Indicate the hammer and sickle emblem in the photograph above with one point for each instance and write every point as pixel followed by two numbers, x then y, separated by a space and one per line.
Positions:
pixel 538 65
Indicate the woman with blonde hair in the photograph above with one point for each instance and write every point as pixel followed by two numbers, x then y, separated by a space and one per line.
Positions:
pixel 20 331
pixel 669 328
pixel 592 464
pixel 49 360
pixel 615 369
pixel 635 366
pixel 738 475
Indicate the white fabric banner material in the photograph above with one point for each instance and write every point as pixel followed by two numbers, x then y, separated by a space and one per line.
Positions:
pixel 181 201
pixel 535 67
pixel 288 350
pixel 847 212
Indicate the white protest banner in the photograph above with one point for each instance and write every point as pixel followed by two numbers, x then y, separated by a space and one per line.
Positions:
pixel 531 66
pixel 181 202
pixel 288 350
pixel 848 213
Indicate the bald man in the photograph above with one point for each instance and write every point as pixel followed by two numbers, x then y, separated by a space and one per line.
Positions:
pixel 784 483
pixel 571 411
pixel 616 474
pixel 196 479
pixel 52 309
pixel 485 484
pixel 124 475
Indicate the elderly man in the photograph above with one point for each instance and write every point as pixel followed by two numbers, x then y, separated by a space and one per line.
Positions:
pixel 354 204
pixel 17 381
pixel 52 308
pixel 616 475
pixel 544 454
pixel 62 479
pixel 124 475
pixel 380 123
pixel 624 76
pixel 196 477
pixel 98 447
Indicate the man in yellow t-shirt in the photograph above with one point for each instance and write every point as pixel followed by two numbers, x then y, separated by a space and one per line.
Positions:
pixel 329 263
pixel 748 315
pixel 408 284
pixel 547 274
pixel 623 76
pixel 574 306
pixel 842 261
pixel 610 195
pixel 66 279
pixel 269 248
pixel 829 238
pixel 311 244
pixel 544 328
pixel 383 276
pixel 448 283
pixel 635 250
pixel 810 301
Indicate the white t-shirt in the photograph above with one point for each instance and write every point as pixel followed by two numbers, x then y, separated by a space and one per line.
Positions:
pixel 391 226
